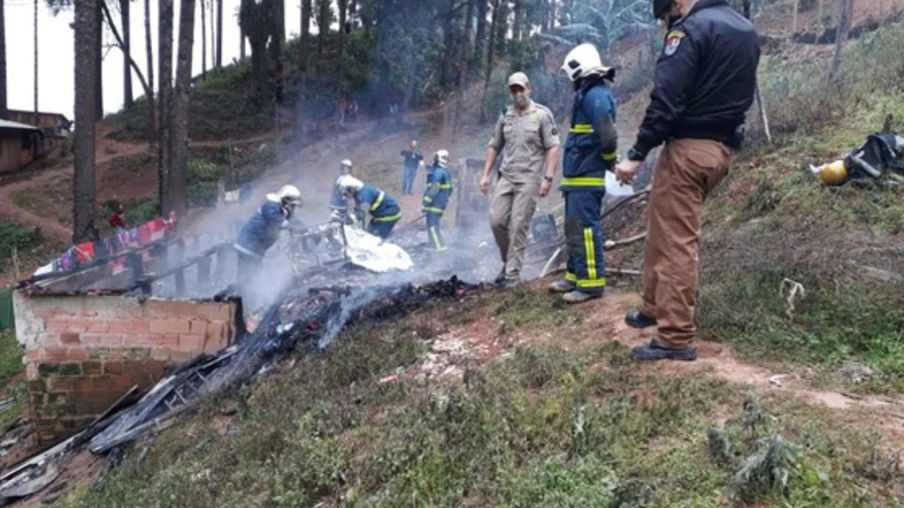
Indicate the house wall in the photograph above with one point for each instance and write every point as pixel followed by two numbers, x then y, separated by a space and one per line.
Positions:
pixel 12 156
pixel 84 352
pixel 45 120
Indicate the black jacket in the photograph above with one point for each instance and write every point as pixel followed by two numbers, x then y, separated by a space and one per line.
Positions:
pixel 705 79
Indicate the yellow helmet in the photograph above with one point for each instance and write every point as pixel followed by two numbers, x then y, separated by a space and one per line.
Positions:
pixel 833 173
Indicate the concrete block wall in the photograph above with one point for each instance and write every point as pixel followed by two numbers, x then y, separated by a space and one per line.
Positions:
pixel 83 352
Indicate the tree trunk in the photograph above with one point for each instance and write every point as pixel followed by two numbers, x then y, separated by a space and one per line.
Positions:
pixel 219 45
pixel 278 31
pixel 489 68
pixel 519 20
pixel 343 19
pixel 149 92
pixel 3 104
pixel 203 40
pixel 35 119
pixel 99 57
pixel 179 169
pixel 146 86
pixel 481 35
pixel 501 22
pixel 840 36
pixel 164 103
pixel 86 33
pixel 796 7
pixel 323 23
pixel 465 50
pixel 127 100
pixel 303 45
pixel 449 50
pixel 241 43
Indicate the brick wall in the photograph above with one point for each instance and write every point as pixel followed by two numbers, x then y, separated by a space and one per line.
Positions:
pixel 84 352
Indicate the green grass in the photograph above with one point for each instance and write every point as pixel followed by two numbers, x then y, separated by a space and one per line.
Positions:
pixel 543 427
pixel 10 366
pixel 17 237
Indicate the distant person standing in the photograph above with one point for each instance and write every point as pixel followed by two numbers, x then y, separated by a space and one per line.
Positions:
pixel 528 139
pixel 413 159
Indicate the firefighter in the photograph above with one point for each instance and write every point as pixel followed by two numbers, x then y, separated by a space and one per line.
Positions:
pixel 263 229
pixel 703 85
pixel 436 198
pixel 383 209
pixel 339 203
pixel 590 150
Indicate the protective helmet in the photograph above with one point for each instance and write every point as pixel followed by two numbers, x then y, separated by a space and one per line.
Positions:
pixel 582 61
pixel 661 7
pixel 348 183
pixel 345 167
pixel 833 173
pixel 441 158
pixel 288 194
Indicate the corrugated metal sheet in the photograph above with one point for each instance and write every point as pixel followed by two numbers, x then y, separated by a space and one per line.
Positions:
pixel 6 124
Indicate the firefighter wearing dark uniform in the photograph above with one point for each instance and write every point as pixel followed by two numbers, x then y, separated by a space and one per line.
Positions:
pixel 339 203
pixel 384 210
pixel 436 198
pixel 704 83
pixel 590 150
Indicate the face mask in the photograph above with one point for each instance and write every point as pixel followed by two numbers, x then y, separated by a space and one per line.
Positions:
pixel 520 99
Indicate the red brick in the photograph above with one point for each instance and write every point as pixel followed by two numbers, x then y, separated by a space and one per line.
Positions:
pixel 34 355
pixel 168 340
pixel 191 343
pixel 102 339
pixel 56 325
pixel 140 326
pixel 69 338
pixel 61 384
pixel 116 368
pixel 120 326
pixel 98 326
pixel 78 324
pixel 177 326
pixel 198 327
pixel 93 368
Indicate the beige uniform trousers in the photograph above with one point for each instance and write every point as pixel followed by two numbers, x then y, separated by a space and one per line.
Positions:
pixel 511 208
pixel 687 171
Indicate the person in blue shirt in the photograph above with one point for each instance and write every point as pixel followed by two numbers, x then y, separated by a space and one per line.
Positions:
pixel 383 209
pixel 436 198
pixel 262 230
pixel 339 203
pixel 413 160
pixel 590 150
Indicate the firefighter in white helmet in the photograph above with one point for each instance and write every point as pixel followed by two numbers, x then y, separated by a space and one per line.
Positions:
pixel 339 203
pixel 263 228
pixel 383 209
pixel 436 198
pixel 590 151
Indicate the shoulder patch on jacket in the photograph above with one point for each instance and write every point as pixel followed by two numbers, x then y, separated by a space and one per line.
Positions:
pixel 672 40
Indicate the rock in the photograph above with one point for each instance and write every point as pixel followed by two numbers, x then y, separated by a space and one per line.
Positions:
pixel 855 373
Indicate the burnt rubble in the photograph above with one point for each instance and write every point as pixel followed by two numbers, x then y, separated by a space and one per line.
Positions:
pixel 308 320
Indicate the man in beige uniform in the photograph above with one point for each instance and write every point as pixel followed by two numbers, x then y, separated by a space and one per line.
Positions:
pixel 529 140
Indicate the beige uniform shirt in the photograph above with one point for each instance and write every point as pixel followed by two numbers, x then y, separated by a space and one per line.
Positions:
pixel 523 141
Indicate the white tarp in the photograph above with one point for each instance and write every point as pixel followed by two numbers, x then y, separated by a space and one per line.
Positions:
pixel 374 254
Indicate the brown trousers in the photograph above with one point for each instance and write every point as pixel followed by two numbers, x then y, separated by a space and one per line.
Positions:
pixel 687 171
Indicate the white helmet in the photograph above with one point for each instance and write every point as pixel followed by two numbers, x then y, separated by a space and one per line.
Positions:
pixel 288 194
pixel 441 157
pixel 348 183
pixel 583 61
pixel 345 167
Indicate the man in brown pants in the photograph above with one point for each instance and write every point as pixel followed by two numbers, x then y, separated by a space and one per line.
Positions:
pixel 529 140
pixel 704 84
